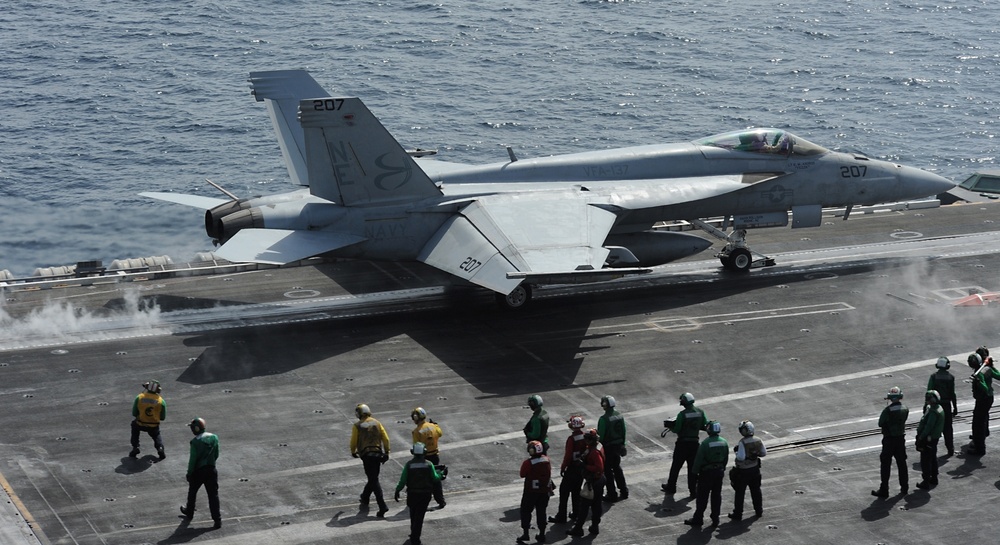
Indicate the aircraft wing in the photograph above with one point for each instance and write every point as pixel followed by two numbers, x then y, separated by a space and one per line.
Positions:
pixel 281 246
pixel 497 241
pixel 197 201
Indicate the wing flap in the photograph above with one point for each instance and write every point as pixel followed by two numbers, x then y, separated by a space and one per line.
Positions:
pixel 197 201
pixel 281 246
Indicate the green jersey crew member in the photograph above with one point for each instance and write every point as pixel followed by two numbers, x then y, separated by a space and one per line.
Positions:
pixel 687 426
pixel 201 471
pixel 928 432
pixel 148 410
pixel 611 428
pixel 893 424
pixel 537 428
pixel 943 382
pixel 710 466
pixel 419 476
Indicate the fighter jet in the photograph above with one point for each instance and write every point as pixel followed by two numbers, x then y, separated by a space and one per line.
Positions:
pixel 507 226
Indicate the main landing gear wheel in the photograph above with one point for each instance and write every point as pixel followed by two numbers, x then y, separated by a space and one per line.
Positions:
pixel 738 260
pixel 515 300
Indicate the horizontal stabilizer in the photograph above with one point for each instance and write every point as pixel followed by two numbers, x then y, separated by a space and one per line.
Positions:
pixel 458 248
pixel 197 201
pixel 280 246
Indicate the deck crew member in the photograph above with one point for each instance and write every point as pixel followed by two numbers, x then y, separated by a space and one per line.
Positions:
pixel 370 442
pixel 428 432
pixel 928 432
pixel 943 382
pixel 571 471
pixel 419 476
pixel 148 410
pixel 537 428
pixel 201 471
pixel 982 390
pixel 537 474
pixel 710 465
pixel 893 424
pixel 687 426
pixel 593 476
pixel 749 451
pixel 611 428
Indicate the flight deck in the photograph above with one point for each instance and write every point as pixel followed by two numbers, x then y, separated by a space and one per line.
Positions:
pixel 276 359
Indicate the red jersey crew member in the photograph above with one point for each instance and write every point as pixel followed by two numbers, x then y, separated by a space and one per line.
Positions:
pixel 593 475
pixel 370 442
pixel 428 433
pixel 571 471
pixel 148 410
pixel 419 476
pixel 537 473
pixel 201 471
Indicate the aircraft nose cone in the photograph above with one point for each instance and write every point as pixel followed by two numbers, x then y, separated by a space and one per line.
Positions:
pixel 923 183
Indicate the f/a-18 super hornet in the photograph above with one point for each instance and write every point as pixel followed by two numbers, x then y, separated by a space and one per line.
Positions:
pixel 580 217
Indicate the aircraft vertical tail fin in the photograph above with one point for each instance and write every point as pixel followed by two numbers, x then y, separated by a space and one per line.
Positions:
pixel 281 91
pixel 353 160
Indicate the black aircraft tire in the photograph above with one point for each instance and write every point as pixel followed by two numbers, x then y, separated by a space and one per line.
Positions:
pixel 516 300
pixel 740 260
pixel 727 263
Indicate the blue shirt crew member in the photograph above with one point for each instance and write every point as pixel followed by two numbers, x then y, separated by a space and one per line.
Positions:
pixel 418 477
pixel 982 391
pixel 893 424
pixel 537 474
pixel 611 428
pixel 148 410
pixel 687 426
pixel 201 471
pixel 537 428
pixel 710 465
pixel 928 432
pixel 943 382
pixel 370 442
pixel 749 451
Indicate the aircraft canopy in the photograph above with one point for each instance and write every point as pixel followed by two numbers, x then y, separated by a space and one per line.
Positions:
pixel 765 141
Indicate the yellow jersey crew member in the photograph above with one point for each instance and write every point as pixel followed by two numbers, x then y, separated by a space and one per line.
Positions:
pixel 370 443
pixel 201 471
pixel 419 476
pixel 428 432
pixel 148 410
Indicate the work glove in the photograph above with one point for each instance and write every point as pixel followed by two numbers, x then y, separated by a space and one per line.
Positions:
pixel 354 455
pixel 396 497
pixel 188 477
pixel 623 452
pixel 385 457
pixel 562 472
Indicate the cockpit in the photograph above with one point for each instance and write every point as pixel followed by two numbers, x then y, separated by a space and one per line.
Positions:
pixel 764 141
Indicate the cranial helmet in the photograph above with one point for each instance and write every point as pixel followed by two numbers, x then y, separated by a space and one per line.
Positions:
pixel 975 360
pixel 943 363
pixel 746 428
pixel 197 425
pixel 535 448
pixel 714 428
pixel 983 352
pixel 534 401
pixel 576 423
pixel 686 399
pixel 362 411
pixel 591 436
pixel 417 449
pixel 933 395
pixel 607 401
pixel 894 394
pixel 152 386
pixel 418 414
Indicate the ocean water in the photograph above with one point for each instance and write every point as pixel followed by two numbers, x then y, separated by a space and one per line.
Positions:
pixel 102 100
